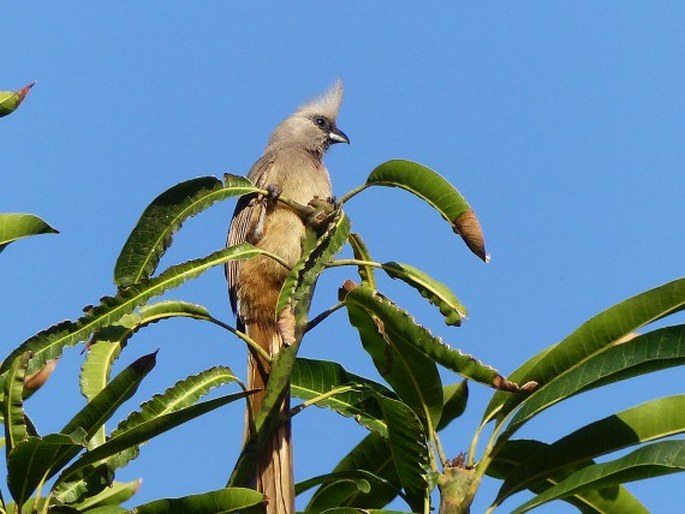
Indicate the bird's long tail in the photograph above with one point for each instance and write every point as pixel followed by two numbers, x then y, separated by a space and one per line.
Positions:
pixel 274 466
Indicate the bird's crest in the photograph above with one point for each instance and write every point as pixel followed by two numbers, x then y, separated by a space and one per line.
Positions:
pixel 326 105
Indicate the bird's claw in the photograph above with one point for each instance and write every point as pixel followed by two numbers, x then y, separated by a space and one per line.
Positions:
pixel 273 192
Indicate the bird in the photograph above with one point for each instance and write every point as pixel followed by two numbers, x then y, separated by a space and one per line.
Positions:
pixel 291 166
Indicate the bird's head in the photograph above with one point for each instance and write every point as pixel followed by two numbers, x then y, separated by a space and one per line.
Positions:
pixel 313 125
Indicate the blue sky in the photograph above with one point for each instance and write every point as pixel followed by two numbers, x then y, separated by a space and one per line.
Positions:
pixel 561 123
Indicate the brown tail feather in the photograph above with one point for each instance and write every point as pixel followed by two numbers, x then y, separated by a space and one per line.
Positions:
pixel 274 476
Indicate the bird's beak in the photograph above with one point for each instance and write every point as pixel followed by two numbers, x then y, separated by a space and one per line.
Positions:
pixel 338 136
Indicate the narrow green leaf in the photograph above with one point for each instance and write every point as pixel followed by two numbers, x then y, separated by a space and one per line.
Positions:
pixel 16 429
pixel 182 395
pixel 145 431
pixel 612 499
pixel 653 351
pixel 455 398
pixel 407 437
pixel 115 494
pixel 299 284
pixel 101 408
pixel 435 292
pixel 49 343
pixel 397 324
pixel 223 501
pixel 313 378
pixel 29 461
pixel 106 345
pixel 413 375
pixel 361 252
pixel 592 337
pixel 373 455
pixel 649 461
pixel 438 193
pixel 16 225
pixel 154 231
pixel 652 420
pixel 10 100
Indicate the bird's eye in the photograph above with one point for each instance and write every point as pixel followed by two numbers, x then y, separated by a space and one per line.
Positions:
pixel 321 121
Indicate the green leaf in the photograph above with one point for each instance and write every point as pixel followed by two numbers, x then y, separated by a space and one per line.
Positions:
pixel 10 100
pixel 412 375
pixel 592 337
pixel 180 396
pixel 455 398
pixel 407 437
pixel 106 345
pixel 223 501
pixel 16 225
pixel 652 420
pixel 372 455
pixel 361 252
pixel 435 292
pixel 154 231
pixel 145 431
pixel 16 429
pixel 299 284
pixel 101 408
pixel 595 501
pixel 653 351
pixel 438 193
pixel 397 324
pixel 649 461
pixel 29 462
pixel 115 494
pixel 313 378
pixel 49 343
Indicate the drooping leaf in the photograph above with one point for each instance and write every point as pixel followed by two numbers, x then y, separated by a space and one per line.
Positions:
pixel 361 252
pixel 408 444
pixel 29 461
pixel 154 231
pixel 145 431
pixel 435 292
pixel 412 375
pixel 222 501
pixel 652 420
pixel 649 461
pixel 49 343
pixel 455 398
pixel 16 225
pixel 10 100
pixel 372 455
pixel 399 325
pixel 438 193
pixel 595 501
pixel 16 429
pixel 653 351
pixel 591 337
pixel 313 378
pixel 180 396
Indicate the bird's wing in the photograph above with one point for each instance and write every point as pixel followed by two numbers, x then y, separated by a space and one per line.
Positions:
pixel 243 222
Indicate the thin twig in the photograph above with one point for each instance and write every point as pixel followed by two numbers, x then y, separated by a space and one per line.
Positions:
pixel 322 316
pixel 248 340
